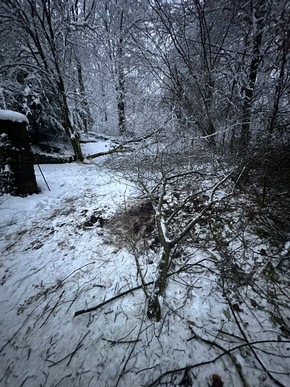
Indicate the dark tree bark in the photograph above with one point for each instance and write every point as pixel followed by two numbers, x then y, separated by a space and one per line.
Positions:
pixel 121 80
pixel 84 112
pixel 281 81
pixel 249 90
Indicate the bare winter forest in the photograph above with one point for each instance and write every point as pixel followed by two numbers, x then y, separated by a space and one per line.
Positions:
pixel 157 252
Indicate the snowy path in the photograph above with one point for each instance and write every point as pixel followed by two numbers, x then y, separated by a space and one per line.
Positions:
pixel 54 261
pixel 58 257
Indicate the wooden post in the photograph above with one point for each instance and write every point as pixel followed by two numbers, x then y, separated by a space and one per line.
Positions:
pixel 17 175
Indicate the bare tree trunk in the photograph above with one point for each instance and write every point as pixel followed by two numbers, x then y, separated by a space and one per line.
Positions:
pixel 68 127
pixel 155 299
pixel 71 133
pixel 121 81
pixel 84 113
pixel 206 54
pixel 121 103
pixel 252 78
pixel 154 303
pixel 279 85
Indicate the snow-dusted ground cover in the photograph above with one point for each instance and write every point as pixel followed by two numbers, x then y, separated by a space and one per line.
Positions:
pixel 58 256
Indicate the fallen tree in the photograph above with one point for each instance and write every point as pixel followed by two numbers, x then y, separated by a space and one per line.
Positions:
pixel 122 147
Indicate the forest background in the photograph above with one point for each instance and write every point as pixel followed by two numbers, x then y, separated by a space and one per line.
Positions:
pixel 193 96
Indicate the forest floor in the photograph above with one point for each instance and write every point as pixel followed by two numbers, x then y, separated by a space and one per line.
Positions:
pixel 224 320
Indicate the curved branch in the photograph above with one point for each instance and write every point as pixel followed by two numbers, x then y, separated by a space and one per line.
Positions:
pixel 120 148
pixel 96 307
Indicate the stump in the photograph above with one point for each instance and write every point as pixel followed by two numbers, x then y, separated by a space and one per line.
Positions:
pixel 17 175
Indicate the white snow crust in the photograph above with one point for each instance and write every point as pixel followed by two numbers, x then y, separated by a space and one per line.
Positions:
pixel 10 115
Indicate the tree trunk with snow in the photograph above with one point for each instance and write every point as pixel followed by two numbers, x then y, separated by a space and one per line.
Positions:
pixel 257 26
pixel 155 299
pixel 167 244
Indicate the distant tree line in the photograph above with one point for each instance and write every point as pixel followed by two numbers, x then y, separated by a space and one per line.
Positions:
pixel 219 71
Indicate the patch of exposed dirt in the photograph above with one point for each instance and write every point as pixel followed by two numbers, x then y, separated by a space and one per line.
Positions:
pixel 135 223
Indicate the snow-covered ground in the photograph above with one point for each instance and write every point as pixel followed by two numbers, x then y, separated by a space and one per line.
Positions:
pixel 58 257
